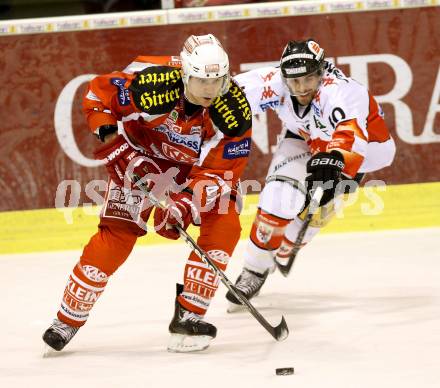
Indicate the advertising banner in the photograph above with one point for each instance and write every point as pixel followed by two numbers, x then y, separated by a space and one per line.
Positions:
pixel 46 147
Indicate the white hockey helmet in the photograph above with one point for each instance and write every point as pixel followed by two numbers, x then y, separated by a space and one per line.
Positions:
pixel 203 56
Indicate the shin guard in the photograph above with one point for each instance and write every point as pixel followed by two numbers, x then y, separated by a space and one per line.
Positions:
pixel 284 251
pixel 84 287
pixel 201 282
pixel 266 235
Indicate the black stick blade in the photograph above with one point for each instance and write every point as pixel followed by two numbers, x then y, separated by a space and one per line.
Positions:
pixel 281 332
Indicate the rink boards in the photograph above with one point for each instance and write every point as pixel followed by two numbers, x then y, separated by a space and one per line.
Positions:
pixel 390 207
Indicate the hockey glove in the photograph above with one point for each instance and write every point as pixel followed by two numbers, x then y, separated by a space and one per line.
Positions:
pixel 118 154
pixel 324 169
pixel 180 210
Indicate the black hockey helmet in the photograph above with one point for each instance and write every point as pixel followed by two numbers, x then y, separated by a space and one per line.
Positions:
pixel 301 58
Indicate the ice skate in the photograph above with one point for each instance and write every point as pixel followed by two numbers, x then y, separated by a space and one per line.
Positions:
pixel 189 332
pixel 58 335
pixel 249 283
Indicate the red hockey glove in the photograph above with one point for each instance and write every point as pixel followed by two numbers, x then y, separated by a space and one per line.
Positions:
pixel 180 210
pixel 117 154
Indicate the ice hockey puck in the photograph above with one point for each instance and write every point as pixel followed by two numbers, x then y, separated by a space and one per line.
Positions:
pixel 284 371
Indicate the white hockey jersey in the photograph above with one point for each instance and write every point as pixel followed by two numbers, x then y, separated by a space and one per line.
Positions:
pixel 343 116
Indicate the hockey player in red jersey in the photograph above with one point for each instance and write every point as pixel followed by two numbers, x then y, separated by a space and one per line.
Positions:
pixel 333 133
pixel 183 127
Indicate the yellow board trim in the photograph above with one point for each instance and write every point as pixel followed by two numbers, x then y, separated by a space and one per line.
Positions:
pixel 405 206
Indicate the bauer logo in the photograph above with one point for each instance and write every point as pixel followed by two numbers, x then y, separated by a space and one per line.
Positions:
pixel 237 149
pixel 123 94
pixel 327 162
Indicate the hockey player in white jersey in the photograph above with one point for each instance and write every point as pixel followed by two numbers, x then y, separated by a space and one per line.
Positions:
pixel 333 131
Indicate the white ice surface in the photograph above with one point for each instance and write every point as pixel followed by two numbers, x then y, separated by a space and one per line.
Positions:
pixel 363 310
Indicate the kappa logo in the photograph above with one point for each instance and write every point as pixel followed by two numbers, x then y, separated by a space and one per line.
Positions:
pixel 268 92
pixel 175 154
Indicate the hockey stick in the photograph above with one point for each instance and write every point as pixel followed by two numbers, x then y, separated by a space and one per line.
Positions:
pixel 279 332
pixel 313 206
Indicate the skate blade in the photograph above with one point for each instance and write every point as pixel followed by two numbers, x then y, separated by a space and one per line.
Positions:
pixel 235 308
pixel 49 352
pixel 180 343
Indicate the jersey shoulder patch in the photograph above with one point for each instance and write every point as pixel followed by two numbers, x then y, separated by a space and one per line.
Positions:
pixel 231 113
pixel 157 89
